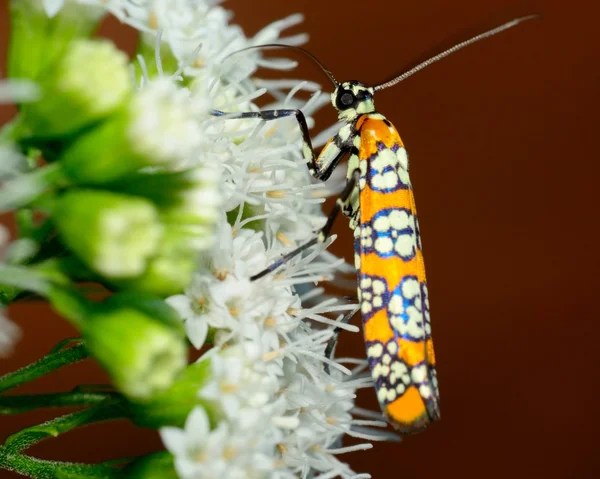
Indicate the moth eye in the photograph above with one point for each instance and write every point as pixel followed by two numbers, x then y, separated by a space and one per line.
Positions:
pixel 347 99
pixel 363 95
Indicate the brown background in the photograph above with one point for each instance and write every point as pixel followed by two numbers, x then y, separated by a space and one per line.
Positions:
pixel 501 138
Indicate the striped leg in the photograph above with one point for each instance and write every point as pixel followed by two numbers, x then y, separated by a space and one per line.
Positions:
pixel 321 166
pixel 268 115
pixel 323 234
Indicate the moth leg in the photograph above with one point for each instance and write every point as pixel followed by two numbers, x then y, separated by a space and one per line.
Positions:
pixel 321 166
pixel 331 344
pixel 323 234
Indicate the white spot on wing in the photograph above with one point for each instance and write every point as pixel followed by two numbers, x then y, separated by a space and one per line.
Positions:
pixel 382 394
pixel 384 245
pixel 375 350
pixel 391 395
pixel 400 219
pixel 378 287
pixel 402 157
pixel 419 374
pixel 381 224
pixel 395 305
pixel 410 288
pixel 405 245
pixel 425 391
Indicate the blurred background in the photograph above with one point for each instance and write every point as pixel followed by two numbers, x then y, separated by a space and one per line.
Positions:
pixel 503 145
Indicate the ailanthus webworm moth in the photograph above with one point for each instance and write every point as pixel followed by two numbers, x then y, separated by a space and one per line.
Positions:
pixel 378 199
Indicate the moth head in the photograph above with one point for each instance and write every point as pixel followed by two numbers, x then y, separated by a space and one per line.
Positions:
pixel 352 99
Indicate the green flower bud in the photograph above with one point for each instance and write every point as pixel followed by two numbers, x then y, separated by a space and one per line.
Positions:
pixel 159 465
pixel 86 84
pixel 158 127
pixel 37 41
pixel 141 354
pixel 198 204
pixel 172 406
pixel 170 270
pixel 112 234
pixel 189 197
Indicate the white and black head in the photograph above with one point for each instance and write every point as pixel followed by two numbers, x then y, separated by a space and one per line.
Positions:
pixel 352 99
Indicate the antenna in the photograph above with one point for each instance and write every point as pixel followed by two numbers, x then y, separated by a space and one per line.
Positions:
pixel 455 48
pixel 268 46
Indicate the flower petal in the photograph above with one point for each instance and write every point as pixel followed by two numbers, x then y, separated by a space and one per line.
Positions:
pixel 197 329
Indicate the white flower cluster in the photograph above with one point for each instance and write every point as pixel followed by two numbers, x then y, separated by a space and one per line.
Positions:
pixel 281 415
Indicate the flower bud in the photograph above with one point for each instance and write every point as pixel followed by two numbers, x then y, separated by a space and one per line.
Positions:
pixel 113 234
pixel 170 269
pixel 141 354
pixel 158 127
pixel 189 197
pixel 86 84
pixel 39 37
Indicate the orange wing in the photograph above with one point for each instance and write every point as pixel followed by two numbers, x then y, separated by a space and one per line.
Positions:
pixel 392 286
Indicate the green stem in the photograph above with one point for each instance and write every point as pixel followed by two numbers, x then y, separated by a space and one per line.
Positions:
pixel 12 459
pixel 27 437
pixel 48 363
pixel 17 404
pixel 41 469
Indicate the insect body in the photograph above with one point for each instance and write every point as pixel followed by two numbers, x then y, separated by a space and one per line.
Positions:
pixel 378 199
pixel 392 290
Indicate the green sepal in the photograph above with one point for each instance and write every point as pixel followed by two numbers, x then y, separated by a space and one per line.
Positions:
pixel 149 305
pixel 172 406
pixel 103 154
